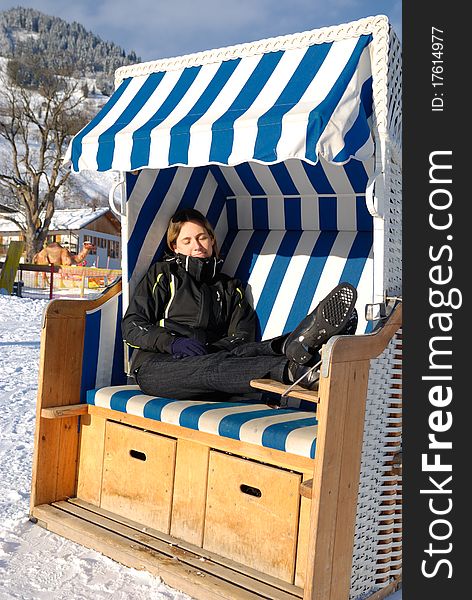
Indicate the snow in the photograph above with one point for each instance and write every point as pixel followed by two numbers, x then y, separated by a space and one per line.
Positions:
pixel 36 564
pixel 63 219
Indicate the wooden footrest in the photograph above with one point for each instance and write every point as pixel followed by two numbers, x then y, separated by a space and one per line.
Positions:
pixel 276 387
pixel 306 488
pixel 196 571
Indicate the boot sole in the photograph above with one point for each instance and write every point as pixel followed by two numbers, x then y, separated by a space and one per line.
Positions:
pixel 329 318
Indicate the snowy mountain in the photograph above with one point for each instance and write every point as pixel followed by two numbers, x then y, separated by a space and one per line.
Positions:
pixel 64 46
pixel 27 34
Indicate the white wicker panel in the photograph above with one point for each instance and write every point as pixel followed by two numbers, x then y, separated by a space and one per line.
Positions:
pixel 377 546
pixel 298 40
pixel 391 167
pixel 378 537
pixel 393 230
pixel 394 92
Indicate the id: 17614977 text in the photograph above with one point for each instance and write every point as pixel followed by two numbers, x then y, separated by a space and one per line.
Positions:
pixel 437 69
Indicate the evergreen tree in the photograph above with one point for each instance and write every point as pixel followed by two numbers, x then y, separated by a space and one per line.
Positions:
pixel 61 46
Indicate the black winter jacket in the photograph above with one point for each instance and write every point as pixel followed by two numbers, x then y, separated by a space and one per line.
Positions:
pixel 187 296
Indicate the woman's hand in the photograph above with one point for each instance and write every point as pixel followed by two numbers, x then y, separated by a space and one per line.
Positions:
pixel 183 346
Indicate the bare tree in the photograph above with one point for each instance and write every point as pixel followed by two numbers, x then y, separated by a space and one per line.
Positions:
pixel 39 112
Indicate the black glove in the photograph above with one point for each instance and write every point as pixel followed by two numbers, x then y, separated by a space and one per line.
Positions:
pixel 183 346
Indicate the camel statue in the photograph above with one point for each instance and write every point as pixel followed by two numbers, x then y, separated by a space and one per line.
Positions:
pixel 55 254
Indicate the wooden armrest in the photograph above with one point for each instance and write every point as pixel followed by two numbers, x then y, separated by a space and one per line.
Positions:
pixel 63 332
pixel 351 348
pixel 76 308
pixel 276 387
pixel 60 412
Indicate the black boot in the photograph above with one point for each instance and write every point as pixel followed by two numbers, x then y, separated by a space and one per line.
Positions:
pixel 311 375
pixel 333 315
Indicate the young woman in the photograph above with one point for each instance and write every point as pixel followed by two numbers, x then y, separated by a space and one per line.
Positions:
pixel 193 330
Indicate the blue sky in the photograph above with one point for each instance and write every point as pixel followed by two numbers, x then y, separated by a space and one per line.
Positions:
pixel 163 28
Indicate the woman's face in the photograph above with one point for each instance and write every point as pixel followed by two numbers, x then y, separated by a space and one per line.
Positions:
pixel 194 240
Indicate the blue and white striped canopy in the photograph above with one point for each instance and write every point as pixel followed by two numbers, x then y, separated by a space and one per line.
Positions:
pixel 305 102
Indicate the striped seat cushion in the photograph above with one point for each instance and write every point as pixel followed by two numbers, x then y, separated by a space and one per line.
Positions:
pixel 288 429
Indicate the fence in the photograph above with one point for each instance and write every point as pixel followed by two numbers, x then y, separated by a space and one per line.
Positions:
pixel 50 281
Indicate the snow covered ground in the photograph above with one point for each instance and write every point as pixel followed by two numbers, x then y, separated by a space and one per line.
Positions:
pixel 34 563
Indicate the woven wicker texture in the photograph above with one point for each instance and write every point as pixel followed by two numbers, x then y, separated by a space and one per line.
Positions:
pixel 297 40
pixel 378 538
pixel 377 547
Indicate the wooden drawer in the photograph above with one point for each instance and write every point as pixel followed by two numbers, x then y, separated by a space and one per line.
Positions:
pixel 138 475
pixel 252 514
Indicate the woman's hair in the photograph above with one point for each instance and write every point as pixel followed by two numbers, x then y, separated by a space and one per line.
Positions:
pixel 182 216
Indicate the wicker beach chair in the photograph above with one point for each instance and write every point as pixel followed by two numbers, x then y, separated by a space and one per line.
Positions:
pixel 291 147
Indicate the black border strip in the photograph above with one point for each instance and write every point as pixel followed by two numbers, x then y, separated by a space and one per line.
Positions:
pixel 437 229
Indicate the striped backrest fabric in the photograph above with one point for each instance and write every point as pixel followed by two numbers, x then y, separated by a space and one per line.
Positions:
pixel 294 178
pixel 103 356
pixel 290 231
pixel 328 197
pixel 298 214
pixel 288 271
pixel 290 251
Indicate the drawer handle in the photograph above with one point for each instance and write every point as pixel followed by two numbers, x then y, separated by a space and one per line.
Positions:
pixel 137 454
pixel 250 491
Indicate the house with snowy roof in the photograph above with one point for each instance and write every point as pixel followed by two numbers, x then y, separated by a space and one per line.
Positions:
pixel 71 227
